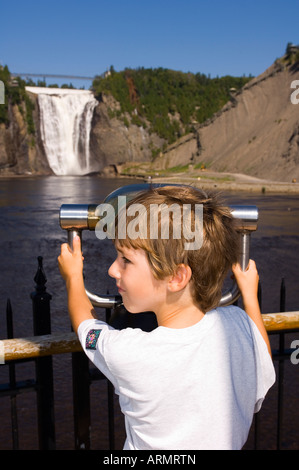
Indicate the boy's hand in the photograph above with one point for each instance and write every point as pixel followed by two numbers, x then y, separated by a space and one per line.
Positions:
pixel 248 284
pixel 247 280
pixel 71 268
pixel 71 262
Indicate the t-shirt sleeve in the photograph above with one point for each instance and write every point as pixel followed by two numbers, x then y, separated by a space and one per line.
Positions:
pixel 93 336
pixel 264 366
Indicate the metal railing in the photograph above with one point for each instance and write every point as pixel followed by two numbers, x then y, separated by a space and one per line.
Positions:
pixel 41 348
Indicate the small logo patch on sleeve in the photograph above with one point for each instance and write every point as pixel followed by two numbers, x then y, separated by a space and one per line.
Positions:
pixel 92 338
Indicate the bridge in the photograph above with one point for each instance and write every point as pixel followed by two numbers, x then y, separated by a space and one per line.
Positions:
pixel 48 75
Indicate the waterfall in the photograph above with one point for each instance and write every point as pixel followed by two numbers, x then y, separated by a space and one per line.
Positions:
pixel 65 124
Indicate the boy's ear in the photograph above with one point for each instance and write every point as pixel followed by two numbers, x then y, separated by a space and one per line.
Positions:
pixel 180 279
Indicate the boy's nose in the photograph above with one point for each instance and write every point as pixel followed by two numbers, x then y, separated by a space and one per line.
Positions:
pixel 113 271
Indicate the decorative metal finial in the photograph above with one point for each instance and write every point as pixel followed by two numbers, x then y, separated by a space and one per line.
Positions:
pixel 40 277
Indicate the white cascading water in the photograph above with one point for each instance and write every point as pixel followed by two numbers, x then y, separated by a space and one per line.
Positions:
pixel 65 124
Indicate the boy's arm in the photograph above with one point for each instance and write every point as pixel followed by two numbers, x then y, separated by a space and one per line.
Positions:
pixel 248 284
pixel 71 269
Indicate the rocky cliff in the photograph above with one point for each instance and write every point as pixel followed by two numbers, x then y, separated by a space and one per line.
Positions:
pixel 115 141
pixel 256 133
pixel 21 150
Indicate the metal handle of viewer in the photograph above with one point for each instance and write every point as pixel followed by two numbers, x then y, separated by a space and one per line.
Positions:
pixel 78 217
pixel 233 293
pixel 103 301
pixel 247 217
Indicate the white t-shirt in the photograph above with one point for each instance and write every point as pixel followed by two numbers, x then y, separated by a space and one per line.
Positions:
pixel 190 388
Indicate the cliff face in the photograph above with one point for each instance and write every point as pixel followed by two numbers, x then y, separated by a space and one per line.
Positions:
pixel 256 133
pixel 113 142
pixel 259 133
pixel 21 152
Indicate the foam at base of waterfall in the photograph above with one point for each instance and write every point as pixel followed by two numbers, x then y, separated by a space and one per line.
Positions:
pixel 65 125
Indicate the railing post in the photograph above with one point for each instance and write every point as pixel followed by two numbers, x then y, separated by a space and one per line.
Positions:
pixel 12 381
pixel 282 302
pixel 81 400
pixel 44 367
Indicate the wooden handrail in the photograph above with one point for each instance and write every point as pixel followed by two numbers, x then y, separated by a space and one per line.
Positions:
pixel 39 346
pixel 281 321
pixel 61 343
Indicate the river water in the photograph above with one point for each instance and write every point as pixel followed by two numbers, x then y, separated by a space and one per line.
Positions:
pixel 30 228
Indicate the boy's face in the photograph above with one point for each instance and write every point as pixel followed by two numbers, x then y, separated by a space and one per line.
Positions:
pixel 139 289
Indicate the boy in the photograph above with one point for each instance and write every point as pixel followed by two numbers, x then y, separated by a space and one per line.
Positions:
pixel 196 380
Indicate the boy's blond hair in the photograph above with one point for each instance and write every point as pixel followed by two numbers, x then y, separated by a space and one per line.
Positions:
pixel 210 263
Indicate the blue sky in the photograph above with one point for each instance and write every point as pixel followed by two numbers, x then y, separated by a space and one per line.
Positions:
pixel 86 37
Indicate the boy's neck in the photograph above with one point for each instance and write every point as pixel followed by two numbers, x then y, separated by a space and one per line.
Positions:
pixel 180 317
